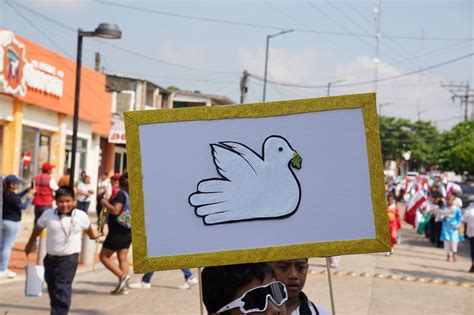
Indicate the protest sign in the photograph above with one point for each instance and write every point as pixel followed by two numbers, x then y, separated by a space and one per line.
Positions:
pixel 260 182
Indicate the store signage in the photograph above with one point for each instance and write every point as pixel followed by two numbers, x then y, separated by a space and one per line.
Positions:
pixel 16 73
pixel 117 131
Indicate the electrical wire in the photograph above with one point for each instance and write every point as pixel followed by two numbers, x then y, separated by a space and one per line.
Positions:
pixel 366 82
pixel 263 26
pixel 128 51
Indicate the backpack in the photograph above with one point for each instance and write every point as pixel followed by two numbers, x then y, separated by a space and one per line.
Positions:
pixel 124 218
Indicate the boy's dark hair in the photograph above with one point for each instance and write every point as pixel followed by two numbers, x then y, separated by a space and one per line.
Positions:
pixel 64 191
pixel 221 283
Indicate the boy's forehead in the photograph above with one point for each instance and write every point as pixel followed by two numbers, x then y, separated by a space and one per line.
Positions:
pixel 292 261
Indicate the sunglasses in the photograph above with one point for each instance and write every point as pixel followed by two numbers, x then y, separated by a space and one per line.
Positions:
pixel 256 300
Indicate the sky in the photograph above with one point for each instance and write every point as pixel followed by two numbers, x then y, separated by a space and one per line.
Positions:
pixel 206 45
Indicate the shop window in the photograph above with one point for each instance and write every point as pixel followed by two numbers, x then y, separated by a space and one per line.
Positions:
pixel 81 155
pixel 29 165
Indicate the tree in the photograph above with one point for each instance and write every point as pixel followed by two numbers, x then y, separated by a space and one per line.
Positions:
pixel 456 148
pixel 401 135
pixel 396 137
pixel 424 145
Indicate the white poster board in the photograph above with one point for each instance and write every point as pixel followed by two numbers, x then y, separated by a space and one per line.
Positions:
pixel 243 184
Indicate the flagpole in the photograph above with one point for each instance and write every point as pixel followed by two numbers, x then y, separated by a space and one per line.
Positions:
pixel 200 292
pixel 331 293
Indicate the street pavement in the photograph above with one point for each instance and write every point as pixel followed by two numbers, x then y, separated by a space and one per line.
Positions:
pixel 415 280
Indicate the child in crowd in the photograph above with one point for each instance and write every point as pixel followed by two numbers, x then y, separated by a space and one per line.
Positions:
pixel 243 289
pixel 450 235
pixel 63 244
pixel 393 221
pixel 293 274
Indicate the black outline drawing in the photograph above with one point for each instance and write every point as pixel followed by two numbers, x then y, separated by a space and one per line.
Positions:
pixel 227 145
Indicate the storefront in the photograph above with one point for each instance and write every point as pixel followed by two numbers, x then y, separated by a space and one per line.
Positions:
pixel 37 89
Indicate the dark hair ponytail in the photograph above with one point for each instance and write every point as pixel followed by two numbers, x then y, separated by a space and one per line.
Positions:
pixel 123 180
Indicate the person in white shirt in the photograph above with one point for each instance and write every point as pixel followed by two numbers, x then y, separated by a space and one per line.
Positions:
pixel 63 244
pixel 468 219
pixel 84 192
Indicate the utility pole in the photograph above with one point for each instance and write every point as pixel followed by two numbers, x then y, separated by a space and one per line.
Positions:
pixel 463 92
pixel 377 42
pixel 420 67
pixel 243 86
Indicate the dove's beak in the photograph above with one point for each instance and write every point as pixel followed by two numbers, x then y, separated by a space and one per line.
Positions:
pixel 296 160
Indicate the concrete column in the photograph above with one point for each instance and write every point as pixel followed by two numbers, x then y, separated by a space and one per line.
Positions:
pixel 12 141
pixel 58 147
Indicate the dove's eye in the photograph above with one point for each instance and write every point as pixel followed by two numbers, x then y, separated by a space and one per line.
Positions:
pixel 280 149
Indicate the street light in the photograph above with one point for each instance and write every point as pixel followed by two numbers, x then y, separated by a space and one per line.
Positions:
pixel 334 82
pixel 104 30
pixel 266 59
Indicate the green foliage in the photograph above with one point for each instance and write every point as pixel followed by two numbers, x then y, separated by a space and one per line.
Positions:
pixel 400 135
pixel 456 148
pixel 173 88
pixel 452 150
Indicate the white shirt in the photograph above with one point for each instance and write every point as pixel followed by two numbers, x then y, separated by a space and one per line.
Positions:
pixel 63 239
pixel 83 189
pixel 468 217
pixel 104 187
pixel 53 185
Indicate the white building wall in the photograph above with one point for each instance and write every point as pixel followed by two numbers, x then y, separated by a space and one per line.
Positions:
pixel 42 119
pixel 6 108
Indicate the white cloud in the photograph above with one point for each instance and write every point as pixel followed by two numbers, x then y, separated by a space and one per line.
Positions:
pixel 312 67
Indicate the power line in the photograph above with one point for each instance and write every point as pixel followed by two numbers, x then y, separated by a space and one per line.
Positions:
pixel 129 51
pixel 367 82
pixel 38 29
pixel 263 26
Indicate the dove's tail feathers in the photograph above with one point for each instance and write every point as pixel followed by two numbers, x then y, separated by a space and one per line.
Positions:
pixel 220 207
pixel 212 186
pixel 201 199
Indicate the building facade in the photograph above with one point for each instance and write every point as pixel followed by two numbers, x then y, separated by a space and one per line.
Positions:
pixel 131 93
pixel 37 88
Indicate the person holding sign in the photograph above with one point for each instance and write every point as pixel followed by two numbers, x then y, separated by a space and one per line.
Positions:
pixel 243 289
pixel 293 274
pixel 120 235
pixel 63 244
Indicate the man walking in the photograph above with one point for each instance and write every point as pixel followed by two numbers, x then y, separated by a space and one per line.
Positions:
pixel 45 186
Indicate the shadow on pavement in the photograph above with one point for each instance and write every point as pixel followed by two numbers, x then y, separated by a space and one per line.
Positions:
pixel 99 283
pixel 89 292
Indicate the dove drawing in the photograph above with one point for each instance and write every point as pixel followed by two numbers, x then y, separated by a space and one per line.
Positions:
pixel 252 187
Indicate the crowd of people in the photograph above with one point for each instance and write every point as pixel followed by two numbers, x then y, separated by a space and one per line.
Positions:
pixel 435 211
pixel 64 211
pixel 271 288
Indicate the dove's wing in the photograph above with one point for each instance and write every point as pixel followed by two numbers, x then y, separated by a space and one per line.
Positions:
pixel 233 165
pixel 249 155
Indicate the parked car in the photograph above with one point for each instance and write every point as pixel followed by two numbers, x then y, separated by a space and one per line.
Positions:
pixel 467 195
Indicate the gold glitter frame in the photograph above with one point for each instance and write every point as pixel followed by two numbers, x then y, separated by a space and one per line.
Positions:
pixel 381 243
